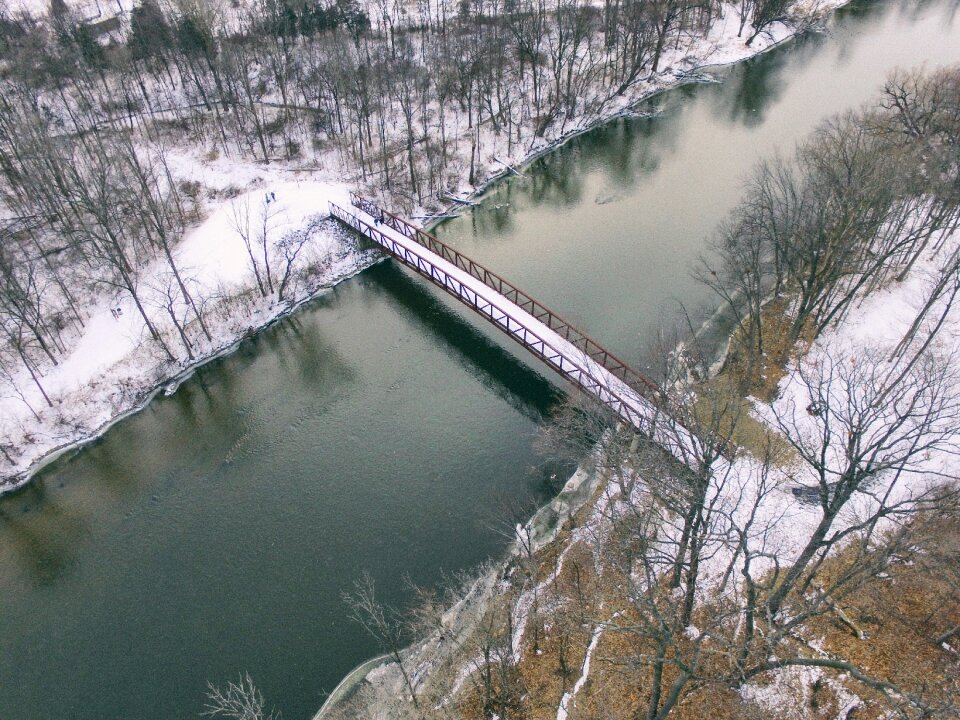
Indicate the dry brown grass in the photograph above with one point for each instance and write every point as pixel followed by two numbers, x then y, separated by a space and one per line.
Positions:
pixel 745 432
pixel 760 374
pixel 746 374
pixel 901 613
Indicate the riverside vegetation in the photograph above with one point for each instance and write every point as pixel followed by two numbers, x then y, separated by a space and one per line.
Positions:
pixel 808 567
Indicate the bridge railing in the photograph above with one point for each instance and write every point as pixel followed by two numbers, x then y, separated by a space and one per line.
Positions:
pixel 643 416
pixel 492 280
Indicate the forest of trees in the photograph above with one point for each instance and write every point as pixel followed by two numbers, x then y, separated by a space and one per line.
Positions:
pixel 393 87
pixel 405 99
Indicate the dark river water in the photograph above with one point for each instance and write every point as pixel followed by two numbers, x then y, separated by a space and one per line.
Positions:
pixel 381 428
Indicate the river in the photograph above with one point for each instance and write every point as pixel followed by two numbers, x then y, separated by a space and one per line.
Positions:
pixel 381 428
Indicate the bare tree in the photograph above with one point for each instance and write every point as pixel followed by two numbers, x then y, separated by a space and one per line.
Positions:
pixel 22 295
pixel 237 700
pixel 254 229
pixel 12 388
pixel 381 623
pixel 863 428
pixel 764 13
pixel 290 247
pixel 166 296
pixel 151 182
pixel 497 680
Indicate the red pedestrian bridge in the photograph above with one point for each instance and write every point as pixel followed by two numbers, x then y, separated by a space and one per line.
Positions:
pixel 570 352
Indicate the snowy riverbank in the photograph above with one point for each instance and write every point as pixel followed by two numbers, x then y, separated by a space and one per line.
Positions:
pixel 113 370
pixel 722 46
pixel 378 681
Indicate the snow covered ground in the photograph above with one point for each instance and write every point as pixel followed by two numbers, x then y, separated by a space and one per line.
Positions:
pixel 111 369
pixel 866 339
pixel 747 496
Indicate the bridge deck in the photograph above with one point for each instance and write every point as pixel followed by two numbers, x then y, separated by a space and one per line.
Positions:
pixel 579 359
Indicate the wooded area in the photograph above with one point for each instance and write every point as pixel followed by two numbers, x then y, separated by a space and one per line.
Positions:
pixel 807 567
pixel 402 98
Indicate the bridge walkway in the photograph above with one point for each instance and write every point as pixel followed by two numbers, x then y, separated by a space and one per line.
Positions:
pixel 570 352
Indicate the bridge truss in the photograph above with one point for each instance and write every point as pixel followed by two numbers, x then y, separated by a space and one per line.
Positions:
pixel 567 350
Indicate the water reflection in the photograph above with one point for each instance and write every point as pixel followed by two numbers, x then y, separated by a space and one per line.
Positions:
pixel 513 380
pixel 645 140
pixel 626 149
pixel 623 148
pixel 758 86
pixel 40 536
pixel 557 180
